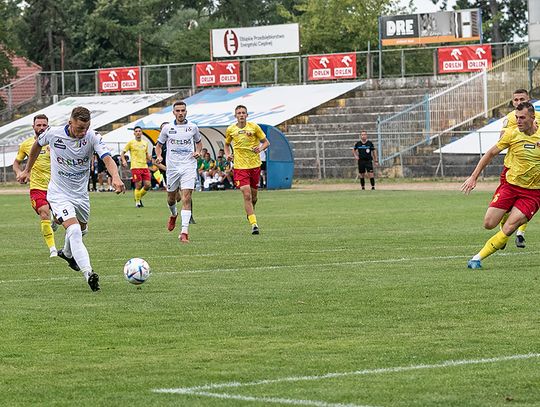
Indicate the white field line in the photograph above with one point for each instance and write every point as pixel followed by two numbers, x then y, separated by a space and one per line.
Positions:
pixel 262 268
pixel 277 400
pixel 442 365
pixel 174 256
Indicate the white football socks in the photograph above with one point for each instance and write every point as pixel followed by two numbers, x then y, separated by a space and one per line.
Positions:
pixel 186 216
pixel 78 249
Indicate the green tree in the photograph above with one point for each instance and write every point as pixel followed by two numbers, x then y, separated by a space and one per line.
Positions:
pixel 42 29
pixel 9 14
pixel 338 25
pixel 245 13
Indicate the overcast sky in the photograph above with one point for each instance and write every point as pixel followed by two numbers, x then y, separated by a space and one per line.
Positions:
pixel 423 6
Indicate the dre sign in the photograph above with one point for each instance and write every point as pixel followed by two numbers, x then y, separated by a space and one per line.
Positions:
pixel 400 28
pixel 429 28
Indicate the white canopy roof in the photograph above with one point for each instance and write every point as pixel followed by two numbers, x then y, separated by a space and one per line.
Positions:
pixel 480 141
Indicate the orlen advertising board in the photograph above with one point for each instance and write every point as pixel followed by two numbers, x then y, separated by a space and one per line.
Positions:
pixel 270 39
pixel 218 73
pixel 464 59
pixel 332 66
pixel 119 79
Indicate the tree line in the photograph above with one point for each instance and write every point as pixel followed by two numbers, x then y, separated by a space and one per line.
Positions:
pixel 85 34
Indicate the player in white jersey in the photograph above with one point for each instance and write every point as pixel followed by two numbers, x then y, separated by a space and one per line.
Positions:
pixel 72 148
pixel 184 145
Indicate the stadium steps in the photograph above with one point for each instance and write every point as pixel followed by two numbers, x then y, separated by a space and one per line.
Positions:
pixel 338 123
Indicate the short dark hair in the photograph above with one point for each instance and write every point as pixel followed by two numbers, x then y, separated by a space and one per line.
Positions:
pixel 179 103
pixel 81 113
pixel 526 106
pixel 137 127
pixel 240 107
pixel 40 116
pixel 521 91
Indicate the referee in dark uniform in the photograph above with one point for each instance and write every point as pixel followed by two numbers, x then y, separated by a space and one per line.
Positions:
pixel 364 152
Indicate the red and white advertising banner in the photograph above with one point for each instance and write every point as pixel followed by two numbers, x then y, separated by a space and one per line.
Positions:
pixel 464 59
pixel 119 79
pixel 218 73
pixel 332 66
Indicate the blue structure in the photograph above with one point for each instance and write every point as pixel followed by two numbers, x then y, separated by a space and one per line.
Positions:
pixel 279 157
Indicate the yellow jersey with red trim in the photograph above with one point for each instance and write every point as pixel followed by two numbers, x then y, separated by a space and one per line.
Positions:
pixel 137 153
pixel 524 165
pixel 243 141
pixel 510 124
pixel 41 171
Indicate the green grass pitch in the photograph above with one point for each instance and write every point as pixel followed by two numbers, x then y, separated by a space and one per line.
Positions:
pixel 350 298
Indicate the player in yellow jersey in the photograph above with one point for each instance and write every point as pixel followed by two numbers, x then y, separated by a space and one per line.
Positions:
pixel 140 174
pixel 510 124
pixel 520 194
pixel 247 140
pixel 39 180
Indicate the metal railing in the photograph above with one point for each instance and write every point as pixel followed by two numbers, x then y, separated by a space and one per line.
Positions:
pixel 278 70
pixel 18 93
pixel 260 71
pixel 7 155
pixel 452 107
pixel 329 156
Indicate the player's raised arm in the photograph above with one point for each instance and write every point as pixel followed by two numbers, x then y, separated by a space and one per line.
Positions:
pixel 24 176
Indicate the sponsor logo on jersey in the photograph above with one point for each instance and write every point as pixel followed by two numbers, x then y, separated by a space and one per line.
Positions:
pixel 72 175
pixel 529 146
pixel 72 161
pixel 58 143
pixel 180 142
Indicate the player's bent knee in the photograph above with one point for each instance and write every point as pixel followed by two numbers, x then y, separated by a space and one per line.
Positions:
pixel 490 223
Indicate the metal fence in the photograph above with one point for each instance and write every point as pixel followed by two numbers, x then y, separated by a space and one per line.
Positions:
pixel 260 71
pixel 8 152
pixel 452 107
pixel 328 156
pixel 385 63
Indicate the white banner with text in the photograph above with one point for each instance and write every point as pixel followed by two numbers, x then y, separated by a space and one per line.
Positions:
pixel 266 40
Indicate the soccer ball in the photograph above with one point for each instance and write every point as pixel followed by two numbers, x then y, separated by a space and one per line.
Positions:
pixel 136 271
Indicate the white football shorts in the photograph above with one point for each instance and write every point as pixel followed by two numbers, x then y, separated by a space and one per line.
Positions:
pixel 65 208
pixel 181 179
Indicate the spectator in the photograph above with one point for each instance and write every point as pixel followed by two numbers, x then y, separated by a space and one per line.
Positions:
pixel 262 181
pixel 93 174
pixel 206 169
pixel 104 178
pixel 224 171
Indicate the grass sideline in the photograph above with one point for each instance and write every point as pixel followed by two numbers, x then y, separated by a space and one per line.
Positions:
pixel 337 282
